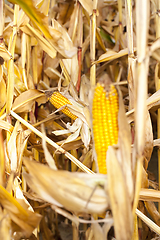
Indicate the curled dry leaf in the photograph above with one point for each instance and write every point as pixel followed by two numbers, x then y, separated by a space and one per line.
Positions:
pixel 78 127
pixel 152 210
pixel 112 55
pixel 76 192
pixel 152 101
pixel 4 53
pixel 24 102
pixel 5 125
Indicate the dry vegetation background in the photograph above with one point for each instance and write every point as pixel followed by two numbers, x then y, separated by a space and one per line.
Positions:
pixel 49 186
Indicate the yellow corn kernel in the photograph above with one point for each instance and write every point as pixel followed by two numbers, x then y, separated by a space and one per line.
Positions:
pixel 105 122
pixel 58 101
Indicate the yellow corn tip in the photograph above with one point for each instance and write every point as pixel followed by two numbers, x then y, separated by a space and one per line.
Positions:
pixel 58 101
pixel 105 122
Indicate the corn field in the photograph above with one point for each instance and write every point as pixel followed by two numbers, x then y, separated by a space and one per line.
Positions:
pixel 79 119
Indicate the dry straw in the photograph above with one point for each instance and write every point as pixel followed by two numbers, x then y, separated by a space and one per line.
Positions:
pixel 88 72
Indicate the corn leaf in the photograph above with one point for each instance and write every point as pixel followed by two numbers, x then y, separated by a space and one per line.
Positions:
pixel 75 191
pixel 36 16
pixel 19 213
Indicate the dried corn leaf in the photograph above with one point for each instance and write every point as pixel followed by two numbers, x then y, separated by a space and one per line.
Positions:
pixel 21 142
pixel 10 67
pixel 3 93
pixel 119 198
pixel 48 157
pixel 44 6
pixel 88 6
pixel 75 191
pixel 12 148
pixel 19 213
pixel 152 210
pixel 148 148
pixel 85 134
pixel 152 101
pixel 36 16
pixel 64 44
pixel 25 101
pixel 6 126
pixel 149 195
pixel 5 228
pixel 111 55
pixel 98 232
pixel 45 45
pixel 4 53
pixel 124 142
pixel 2 160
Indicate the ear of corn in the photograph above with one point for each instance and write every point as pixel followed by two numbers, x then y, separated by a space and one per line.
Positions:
pixel 105 122
pixel 58 101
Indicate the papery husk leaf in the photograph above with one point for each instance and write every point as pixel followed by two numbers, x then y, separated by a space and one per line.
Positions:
pixel 24 102
pixel 71 145
pixel 26 219
pixel 77 192
pixel 73 136
pixel 85 134
pixel 64 45
pixel 119 198
pixel 77 110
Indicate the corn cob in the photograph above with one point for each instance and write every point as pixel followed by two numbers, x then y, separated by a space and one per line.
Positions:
pixel 58 101
pixel 105 122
